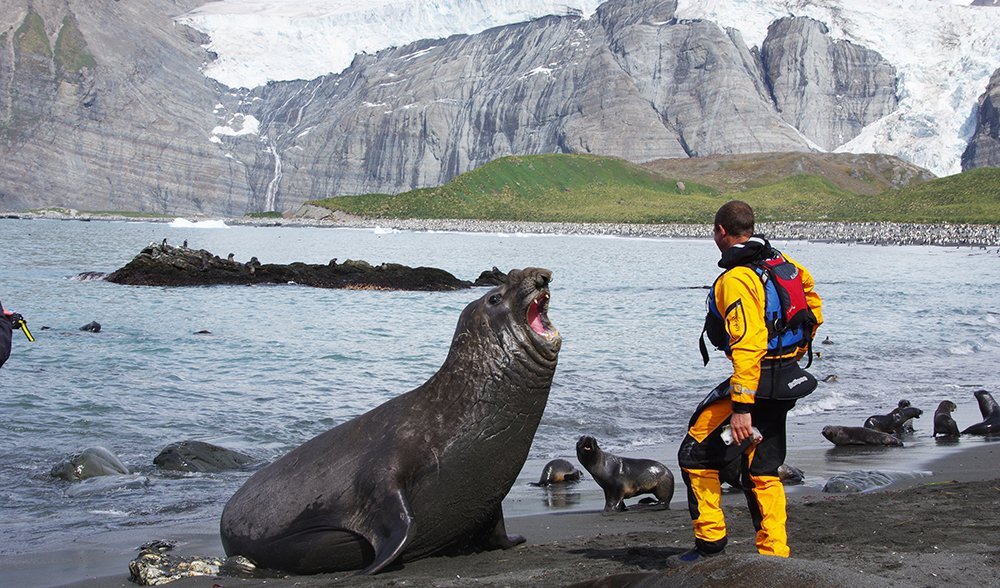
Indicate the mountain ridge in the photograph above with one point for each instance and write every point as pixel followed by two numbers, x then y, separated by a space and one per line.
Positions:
pixel 104 105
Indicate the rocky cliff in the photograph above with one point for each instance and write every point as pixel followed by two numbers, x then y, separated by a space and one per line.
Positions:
pixel 984 147
pixel 103 106
pixel 632 81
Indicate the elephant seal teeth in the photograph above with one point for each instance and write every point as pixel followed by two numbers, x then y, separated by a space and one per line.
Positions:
pixel 537 317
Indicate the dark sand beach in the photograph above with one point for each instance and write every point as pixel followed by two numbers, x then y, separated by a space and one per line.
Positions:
pixel 930 531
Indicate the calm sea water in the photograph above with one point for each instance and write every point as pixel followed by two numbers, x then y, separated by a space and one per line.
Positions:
pixel 284 363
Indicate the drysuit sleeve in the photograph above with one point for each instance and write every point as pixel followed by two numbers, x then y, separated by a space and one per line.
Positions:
pixel 740 295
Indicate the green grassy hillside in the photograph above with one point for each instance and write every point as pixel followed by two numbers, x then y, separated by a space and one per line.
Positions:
pixel 781 187
pixel 576 188
pixel 969 197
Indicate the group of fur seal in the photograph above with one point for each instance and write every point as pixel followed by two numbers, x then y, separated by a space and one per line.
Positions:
pixel 898 421
pixel 887 429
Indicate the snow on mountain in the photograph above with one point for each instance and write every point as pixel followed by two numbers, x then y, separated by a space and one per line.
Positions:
pixel 262 40
pixel 944 50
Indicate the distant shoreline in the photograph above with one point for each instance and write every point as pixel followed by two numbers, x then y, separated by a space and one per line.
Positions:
pixel 872 233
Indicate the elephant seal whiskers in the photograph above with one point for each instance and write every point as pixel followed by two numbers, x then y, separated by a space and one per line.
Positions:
pixel 422 474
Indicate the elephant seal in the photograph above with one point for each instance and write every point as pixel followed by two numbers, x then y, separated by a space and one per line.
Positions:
pixel 991 415
pixel 839 436
pixel 897 421
pixel 424 473
pixel 558 471
pixel 89 463
pixel 199 456
pixel 624 477
pixel 944 425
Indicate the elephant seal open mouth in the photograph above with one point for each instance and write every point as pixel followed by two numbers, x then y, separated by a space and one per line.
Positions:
pixel 422 474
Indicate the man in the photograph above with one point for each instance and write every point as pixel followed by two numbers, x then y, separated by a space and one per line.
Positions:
pixel 5 334
pixel 765 383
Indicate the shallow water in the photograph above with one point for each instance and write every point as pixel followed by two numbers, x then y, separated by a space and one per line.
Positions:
pixel 284 363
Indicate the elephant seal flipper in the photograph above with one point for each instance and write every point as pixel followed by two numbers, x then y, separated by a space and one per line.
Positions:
pixel 396 520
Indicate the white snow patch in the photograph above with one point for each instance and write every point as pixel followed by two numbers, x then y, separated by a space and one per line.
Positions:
pixel 183 223
pixel 237 125
pixel 258 41
pixel 944 52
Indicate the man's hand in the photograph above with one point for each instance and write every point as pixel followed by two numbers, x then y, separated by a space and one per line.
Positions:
pixel 741 424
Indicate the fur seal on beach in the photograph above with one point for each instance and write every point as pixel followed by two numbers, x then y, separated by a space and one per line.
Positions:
pixel 426 472
pixel 944 425
pixel 991 415
pixel 558 471
pixel 624 477
pixel 839 435
pixel 897 421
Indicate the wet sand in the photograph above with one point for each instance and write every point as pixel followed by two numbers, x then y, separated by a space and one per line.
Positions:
pixel 931 531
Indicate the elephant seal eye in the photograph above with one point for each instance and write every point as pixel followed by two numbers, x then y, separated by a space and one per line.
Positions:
pixel 495 299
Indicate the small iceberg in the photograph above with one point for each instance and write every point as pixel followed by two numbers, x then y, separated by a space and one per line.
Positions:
pixel 183 223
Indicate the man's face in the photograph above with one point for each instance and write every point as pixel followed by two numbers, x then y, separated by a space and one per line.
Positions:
pixel 719 234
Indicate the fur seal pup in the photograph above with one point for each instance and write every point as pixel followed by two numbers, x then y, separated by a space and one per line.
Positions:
pixel 944 425
pixel 897 421
pixel 426 472
pixel 624 477
pixel 558 471
pixel 839 435
pixel 991 415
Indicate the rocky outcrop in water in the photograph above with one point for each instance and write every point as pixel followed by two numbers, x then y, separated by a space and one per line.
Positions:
pixel 166 265
pixel 984 146
pixel 103 105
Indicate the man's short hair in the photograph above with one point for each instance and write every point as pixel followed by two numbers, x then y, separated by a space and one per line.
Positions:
pixel 736 217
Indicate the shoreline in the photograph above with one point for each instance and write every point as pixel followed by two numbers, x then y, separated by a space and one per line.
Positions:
pixel 924 531
pixel 868 233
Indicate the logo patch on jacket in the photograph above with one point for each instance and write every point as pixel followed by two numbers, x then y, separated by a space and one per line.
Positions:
pixel 736 322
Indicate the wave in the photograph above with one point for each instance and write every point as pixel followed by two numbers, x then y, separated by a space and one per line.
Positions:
pixel 823 400
pixel 183 223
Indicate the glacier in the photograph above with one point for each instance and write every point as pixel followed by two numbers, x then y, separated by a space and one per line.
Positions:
pixel 944 50
pixel 258 41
